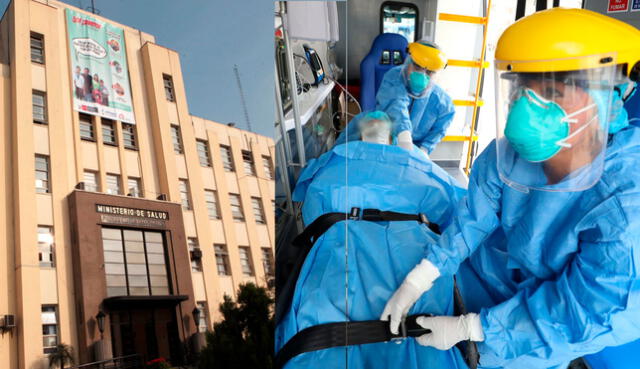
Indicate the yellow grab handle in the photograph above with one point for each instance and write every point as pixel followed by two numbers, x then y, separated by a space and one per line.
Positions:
pixel 459 138
pixel 462 18
pixel 467 63
pixel 468 103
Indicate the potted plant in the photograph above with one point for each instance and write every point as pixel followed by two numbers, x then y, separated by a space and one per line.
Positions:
pixel 61 356
pixel 159 363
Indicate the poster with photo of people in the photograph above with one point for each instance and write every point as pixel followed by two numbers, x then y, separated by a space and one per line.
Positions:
pixel 100 78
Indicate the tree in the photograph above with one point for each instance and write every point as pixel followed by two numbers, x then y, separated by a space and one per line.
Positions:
pixel 61 356
pixel 244 338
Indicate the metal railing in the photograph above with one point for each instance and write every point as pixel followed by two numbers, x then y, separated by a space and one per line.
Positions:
pixel 123 362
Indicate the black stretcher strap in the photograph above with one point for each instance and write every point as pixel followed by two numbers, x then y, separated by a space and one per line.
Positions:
pixel 305 240
pixel 333 334
pixel 303 243
pixel 319 226
pixel 340 334
pixel 469 349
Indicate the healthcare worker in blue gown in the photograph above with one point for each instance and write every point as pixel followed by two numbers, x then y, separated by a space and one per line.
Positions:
pixel 409 94
pixel 624 356
pixel 369 174
pixel 546 246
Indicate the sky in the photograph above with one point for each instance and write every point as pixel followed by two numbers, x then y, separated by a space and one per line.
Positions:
pixel 211 37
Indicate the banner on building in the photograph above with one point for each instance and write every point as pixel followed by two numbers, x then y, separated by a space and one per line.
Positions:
pixel 99 73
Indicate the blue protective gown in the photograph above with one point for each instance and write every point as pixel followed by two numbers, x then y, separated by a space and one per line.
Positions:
pixel 554 275
pixel 427 118
pixel 379 254
pixel 624 356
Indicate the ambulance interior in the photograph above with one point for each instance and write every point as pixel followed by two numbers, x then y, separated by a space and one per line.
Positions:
pixel 329 62
pixel 331 56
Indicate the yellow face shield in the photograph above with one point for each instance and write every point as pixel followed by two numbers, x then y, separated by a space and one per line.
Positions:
pixel 560 39
pixel 427 56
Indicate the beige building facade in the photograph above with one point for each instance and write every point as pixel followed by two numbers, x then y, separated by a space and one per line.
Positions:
pixel 143 222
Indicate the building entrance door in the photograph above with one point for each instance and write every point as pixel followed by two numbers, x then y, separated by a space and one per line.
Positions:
pixel 150 333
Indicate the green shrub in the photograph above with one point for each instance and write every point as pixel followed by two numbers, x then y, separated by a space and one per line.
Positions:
pixel 245 336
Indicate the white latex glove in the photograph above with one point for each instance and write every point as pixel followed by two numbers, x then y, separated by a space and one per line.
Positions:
pixel 446 331
pixel 417 282
pixel 405 141
pixel 425 152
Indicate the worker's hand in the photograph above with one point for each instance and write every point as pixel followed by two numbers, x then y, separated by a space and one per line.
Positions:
pixel 446 331
pixel 405 141
pixel 426 153
pixel 417 282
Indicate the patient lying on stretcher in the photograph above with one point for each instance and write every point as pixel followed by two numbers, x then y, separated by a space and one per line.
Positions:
pixel 354 266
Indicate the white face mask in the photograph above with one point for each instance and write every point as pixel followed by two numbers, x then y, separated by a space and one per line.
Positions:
pixel 376 131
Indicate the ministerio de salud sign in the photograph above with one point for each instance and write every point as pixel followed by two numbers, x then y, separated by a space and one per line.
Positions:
pixel 131 216
pixel 99 72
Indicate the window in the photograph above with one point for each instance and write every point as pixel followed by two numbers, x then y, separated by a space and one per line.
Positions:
pixel 154 244
pixel 222 259
pixel 177 140
pixel 114 267
pixel 202 324
pixel 196 263
pixel 42 174
pixel 267 261
pixel 108 132
pixel 45 246
pixel 113 184
pixel 258 212
pixel 91 181
pixel 203 153
pixel 268 169
pixel 134 262
pixel 227 158
pixel 39 106
pixel 86 128
pixel 37 48
pixel 236 207
pixel 572 4
pixel 184 194
pixel 168 88
pixel 400 18
pixel 134 256
pixel 134 186
pixel 49 328
pixel 247 161
pixel 212 204
pixel 245 261
pixel 129 136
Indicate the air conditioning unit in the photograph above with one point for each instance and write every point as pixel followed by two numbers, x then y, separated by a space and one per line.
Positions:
pixel 196 254
pixel 8 322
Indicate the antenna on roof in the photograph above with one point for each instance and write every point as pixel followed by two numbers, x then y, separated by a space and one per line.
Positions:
pixel 93 8
pixel 242 99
